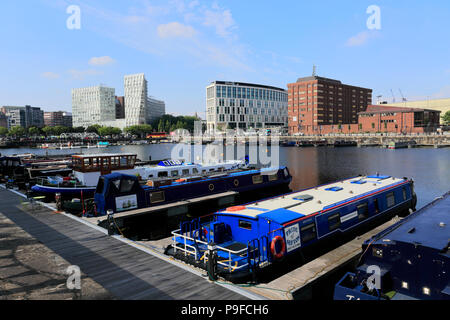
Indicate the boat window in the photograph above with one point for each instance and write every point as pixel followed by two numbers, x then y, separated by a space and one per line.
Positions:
pixel 194 170
pixel 376 205
pixel 116 184
pixel 221 169
pixel 174 173
pixel 245 224
pixel 156 197
pixel 363 211
pixel 390 199
pixel 273 177
pixel 308 232
pixel 100 185
pixel 185 172
pixel 334 221
pixel 211 170
pixel 404 193
pixel 257 179
pixel 162 174
pixel 126 185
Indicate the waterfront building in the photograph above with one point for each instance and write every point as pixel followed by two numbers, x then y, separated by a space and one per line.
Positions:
pixel 100 105
pixel 120 107
pixel 93 105
pixel 388 119
pixel 245 105
pixel 135 99
pixel 3 120
pixel 58 118
pixel 155 109
pixel 25 117
pixel 314 102
pixel 442 105
pixel 382 118
pixel 67 119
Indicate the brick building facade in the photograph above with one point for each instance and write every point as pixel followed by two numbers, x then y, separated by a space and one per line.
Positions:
pixel 315 103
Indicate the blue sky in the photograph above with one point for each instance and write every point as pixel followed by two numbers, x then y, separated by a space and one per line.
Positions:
pixel 182 46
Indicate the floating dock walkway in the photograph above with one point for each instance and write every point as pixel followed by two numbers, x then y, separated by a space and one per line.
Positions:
pixel 120 266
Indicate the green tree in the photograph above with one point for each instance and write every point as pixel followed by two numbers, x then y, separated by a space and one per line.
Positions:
pixel 17 131
pixel 108 131
pixel 3 131
pixel 48 131
pixel 93 129
pixel 446 118
pixel 34 131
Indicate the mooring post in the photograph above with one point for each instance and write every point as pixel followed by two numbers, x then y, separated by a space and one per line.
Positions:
pixel 211 266
pixel 110 222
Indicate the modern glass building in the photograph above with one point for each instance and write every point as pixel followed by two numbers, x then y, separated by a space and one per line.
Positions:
pixel 231 105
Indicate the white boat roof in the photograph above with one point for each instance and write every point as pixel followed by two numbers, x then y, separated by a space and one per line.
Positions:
pixel 322 198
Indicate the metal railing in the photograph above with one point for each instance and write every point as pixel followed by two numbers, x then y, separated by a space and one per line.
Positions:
pixel 189 249
pixel 46 183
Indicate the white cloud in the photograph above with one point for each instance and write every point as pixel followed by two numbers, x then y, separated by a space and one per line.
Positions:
pixel 221 20
pixel 361 38
pixel 175 30
pixel 82 74
pixel 50 75
pixel 101 61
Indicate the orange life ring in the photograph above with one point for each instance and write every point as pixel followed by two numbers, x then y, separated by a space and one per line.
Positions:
pixel 278 255
pixel 180 180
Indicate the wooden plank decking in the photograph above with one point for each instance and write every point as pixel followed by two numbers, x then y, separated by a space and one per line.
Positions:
pixel 126 272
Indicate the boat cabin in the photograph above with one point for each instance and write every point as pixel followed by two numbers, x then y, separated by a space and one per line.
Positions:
pixel 261 232
pixel 89 167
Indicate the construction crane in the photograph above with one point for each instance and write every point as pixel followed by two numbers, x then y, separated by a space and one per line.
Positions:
pixel 403 98
pixel 393 97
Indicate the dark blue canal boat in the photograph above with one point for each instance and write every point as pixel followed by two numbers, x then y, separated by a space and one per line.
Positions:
pixel 247 239
pixel 407 261
pixel 121 192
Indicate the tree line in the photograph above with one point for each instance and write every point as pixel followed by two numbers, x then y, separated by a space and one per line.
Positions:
pixel 166 123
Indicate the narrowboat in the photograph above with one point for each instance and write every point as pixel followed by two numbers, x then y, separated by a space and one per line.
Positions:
pixel 120 192
pixel 407 261
pixel 344 143
pixel 247 239
pixel 87 169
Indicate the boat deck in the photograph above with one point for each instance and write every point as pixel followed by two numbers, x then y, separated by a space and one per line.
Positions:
pixel 124 268
pixel 290 207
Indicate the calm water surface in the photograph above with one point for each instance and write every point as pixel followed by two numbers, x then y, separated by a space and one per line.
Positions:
pixel 430 168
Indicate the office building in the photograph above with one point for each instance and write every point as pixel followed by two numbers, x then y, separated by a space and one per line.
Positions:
pixel 231 105
pixel 93 105
pixel 25 117
pixel 155 109
pixel 135 89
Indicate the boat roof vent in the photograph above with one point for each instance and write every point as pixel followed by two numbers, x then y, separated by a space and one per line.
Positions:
pixel 304 197
pixel 334 189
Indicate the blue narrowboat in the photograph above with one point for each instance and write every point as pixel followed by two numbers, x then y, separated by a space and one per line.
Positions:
pixel 120 192
pixel 247 239
pixel 408 261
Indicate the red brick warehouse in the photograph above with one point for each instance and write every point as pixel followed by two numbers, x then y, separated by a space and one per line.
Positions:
pixel 315 102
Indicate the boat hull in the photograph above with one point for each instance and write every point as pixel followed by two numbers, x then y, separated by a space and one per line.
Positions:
pixel 64 191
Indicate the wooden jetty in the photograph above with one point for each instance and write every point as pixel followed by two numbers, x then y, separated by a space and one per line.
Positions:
pixel 120 266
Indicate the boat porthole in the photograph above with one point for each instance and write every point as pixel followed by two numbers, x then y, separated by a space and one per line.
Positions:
pixel 211 187
pixel 236 182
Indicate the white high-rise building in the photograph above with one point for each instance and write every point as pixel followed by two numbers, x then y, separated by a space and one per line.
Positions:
pixel 93 105
pixel 135 94
pixel 97 105
pixel 155 109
